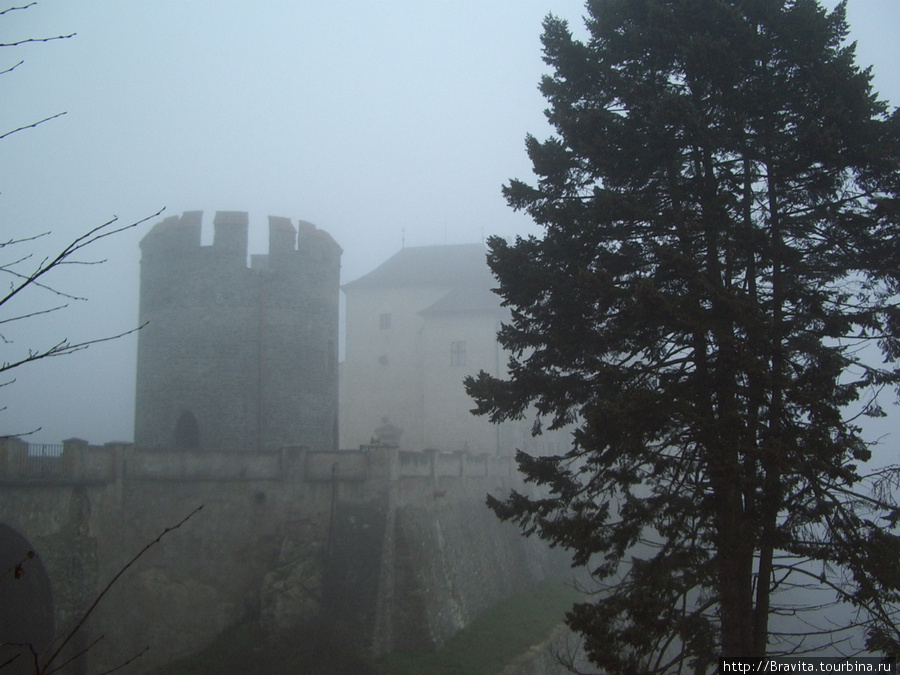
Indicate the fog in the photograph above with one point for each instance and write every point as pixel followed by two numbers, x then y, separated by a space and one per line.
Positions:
pixel 383 123
pixel 387 124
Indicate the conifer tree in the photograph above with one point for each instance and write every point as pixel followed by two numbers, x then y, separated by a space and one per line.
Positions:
pixel 712 306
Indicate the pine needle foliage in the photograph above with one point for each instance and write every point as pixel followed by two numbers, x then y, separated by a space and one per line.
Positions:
pixel 712 306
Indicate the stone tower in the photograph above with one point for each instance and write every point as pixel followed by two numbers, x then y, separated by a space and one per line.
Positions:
pixel 236 358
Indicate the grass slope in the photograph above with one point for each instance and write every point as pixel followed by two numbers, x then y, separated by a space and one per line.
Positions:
pixel 495 638
pixel 483 648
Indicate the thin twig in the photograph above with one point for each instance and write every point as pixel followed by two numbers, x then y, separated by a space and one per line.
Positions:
pixel 63 348
pixel 9 660
pixel 106 588
pixel 31 649
pixel 28 316
pixel 46 39
pixel 4 72
pixel 19 435
pixel 90 237
pixel 31 126
pixel 122 665
pixel 13 242
pixel 16 9
pixel 75 656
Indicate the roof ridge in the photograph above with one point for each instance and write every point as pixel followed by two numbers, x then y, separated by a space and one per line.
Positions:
pixel 448 265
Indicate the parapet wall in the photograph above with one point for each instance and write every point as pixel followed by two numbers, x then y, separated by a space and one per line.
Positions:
pixel 79 462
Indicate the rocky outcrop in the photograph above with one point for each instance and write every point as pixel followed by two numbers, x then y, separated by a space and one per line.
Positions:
pixel 291 592
pixel 411 577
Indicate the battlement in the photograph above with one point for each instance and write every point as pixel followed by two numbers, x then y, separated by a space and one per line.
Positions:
pixel 417 476
pixel 230 234
pixel 179 236
pixel 175 233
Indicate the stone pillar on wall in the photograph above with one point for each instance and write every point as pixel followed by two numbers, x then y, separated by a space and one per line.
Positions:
pixel 118 452
pixel 462 456
pixel 487 463
pixel 432 462
pixel 73 457
pixel 293 462
pixel 13 451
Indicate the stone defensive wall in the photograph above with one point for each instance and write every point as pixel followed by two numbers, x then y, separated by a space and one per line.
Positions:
pixel 77 462
pixel 385 549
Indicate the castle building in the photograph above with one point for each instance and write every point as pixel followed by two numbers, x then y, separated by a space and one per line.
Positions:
pixel 416 326
pixel 236 358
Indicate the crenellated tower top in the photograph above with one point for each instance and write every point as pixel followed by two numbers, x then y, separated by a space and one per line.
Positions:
pixel 182 235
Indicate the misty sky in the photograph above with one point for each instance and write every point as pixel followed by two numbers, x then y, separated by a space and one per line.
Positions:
pixel 378 121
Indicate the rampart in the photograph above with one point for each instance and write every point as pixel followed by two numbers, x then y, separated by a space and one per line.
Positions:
pixel 388 549
pixel 79 463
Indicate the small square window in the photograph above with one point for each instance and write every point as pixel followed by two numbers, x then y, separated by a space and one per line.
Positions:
pixel 384 321
pixel 458 353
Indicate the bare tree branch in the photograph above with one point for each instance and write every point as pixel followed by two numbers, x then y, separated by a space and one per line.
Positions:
pixel 13 242
pixel 4 72
pixel 30 126
pixel 28 316
pixel 74 657
pixel 90 237
pixel 68 637
pixel 63 348
pixel 125 663
pixel 16 9
pixel 22 42
pixel 29 40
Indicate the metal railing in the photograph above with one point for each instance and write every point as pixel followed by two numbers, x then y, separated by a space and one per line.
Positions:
pixel 38 461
